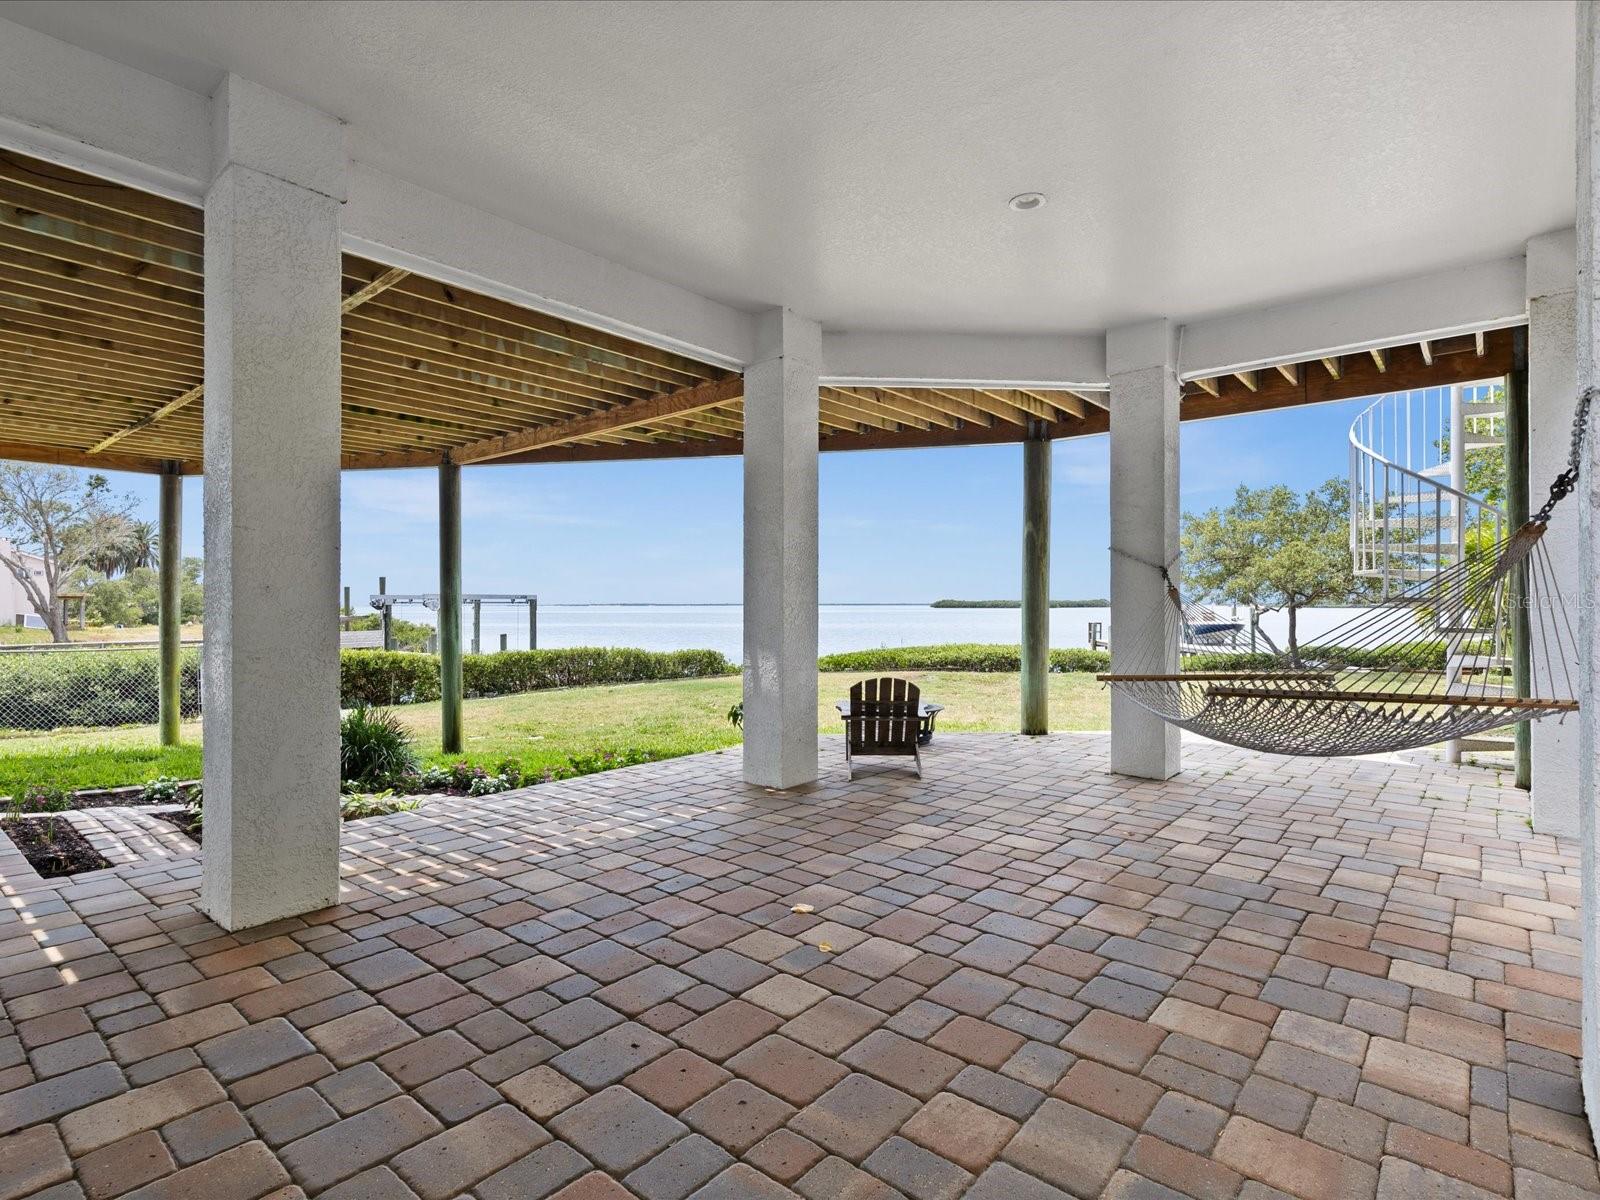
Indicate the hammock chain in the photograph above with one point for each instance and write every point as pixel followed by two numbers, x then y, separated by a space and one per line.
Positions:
pixel 1565 482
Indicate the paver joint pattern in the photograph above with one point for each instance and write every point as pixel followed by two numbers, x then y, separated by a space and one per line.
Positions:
pixel 1332 980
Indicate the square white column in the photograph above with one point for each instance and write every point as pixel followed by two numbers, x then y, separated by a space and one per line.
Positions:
pixel 1586 499
pixel 1142 363
pixel 780 552
pixel 271 684
pixel 1552 384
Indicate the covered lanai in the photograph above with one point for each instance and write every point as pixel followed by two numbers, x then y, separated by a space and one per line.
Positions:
pixel 273 242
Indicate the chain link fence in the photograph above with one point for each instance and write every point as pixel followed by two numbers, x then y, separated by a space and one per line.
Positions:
pixel 89 686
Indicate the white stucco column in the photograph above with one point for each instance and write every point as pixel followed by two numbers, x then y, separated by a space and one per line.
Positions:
pixel 780 552
pixel 1552 384
pixel 271 701
pixel 1587 501
pixel 1142 363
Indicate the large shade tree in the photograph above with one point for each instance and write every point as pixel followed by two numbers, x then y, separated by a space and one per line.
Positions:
pixel 68 520
pixel 1273 548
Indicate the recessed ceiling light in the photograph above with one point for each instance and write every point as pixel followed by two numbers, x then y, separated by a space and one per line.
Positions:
pixel 1027 201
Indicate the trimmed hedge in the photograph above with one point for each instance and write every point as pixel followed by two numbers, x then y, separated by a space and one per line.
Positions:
pixel 102 688
pixel 399 677
pixel 92 688
pixel 1416 656
pixel 959 657
pixel 1420 655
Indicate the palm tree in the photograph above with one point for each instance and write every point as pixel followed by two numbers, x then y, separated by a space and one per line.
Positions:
pixel 141 546
pixel 121 545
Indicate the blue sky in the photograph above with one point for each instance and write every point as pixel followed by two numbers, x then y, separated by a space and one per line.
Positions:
pixel 669 532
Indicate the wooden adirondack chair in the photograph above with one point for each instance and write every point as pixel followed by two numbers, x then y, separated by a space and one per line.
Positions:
pixel 884 719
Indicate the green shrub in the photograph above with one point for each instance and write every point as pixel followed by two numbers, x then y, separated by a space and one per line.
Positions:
pixel 386 677
pixel 1407 656
pixel 40 798
pixel 90 688
pixel 959 657
pixel 163 789
pixel 381 804
pixel 584 666
pixel 374 747
pixel 396 677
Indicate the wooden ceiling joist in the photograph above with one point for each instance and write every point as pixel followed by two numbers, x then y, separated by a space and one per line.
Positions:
pixel 386 280
pixel 102 361
pixel 634 413
pixel 1455 360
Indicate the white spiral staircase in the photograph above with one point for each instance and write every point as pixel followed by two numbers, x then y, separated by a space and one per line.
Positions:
pixel 1413 515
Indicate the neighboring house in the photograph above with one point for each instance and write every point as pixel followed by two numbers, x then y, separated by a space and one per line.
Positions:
pixel 13 599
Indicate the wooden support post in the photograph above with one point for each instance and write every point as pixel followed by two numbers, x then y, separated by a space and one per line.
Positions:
pixel 477 626
pixel 348 611
pixel 533 623
pixel 1516 397
pixel 386 615
pixel 1036 580
pixel 450 607
pixel 502 643
pixel 169 611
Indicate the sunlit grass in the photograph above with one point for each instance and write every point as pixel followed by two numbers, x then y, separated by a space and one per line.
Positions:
pixel 541 729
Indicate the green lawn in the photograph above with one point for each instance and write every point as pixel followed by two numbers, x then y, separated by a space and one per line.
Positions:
pixel 541 729
pixel 10 635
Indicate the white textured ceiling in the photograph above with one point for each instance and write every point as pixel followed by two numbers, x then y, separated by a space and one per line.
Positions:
pixel 853 160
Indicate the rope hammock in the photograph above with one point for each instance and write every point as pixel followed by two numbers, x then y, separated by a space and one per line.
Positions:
pixel 1431 663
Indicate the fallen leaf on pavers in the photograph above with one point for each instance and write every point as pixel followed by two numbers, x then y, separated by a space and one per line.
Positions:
pixel 825 947
pixel 804 908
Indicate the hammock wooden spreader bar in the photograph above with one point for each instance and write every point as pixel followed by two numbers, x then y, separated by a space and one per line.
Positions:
pixel 1187 676
pixel 1435 698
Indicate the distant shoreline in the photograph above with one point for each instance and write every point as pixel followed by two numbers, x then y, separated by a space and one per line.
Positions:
pixel 723 604
pixel 1102 603
pixel 824 604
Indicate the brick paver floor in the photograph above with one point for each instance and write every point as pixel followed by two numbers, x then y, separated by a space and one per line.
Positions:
pixel 1019 978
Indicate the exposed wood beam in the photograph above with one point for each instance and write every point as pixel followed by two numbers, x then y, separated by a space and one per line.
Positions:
pixel 1427 351
pixel 1453 362
pixel 1478 338
pixel 65 457
pixel 623 416
pixel 355 300
pixel 1290 373
pixel 1335 366
pixel 1062 401
pixel 167 409
pixel 1209 386
pixel 1250 379
pixel 1101 400
pixel 1380 359
pixel 368 290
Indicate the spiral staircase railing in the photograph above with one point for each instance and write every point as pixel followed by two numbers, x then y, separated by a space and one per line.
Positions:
pixel 1413 513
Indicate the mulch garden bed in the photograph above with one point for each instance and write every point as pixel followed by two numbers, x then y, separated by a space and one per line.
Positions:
pixel 55 847
pixel 121 797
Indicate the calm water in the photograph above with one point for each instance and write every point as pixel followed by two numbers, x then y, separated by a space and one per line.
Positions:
pixel 840 626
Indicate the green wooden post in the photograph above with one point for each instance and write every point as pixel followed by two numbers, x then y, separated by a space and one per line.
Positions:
pixel 1516 396
pixel 1036 580
pixel 450 607
pixel 170 608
